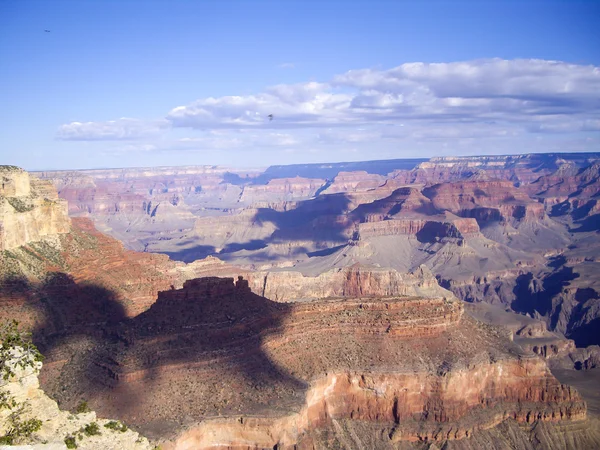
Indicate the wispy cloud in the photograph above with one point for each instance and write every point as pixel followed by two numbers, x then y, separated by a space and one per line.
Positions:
pixel 112 130
pixel 287 65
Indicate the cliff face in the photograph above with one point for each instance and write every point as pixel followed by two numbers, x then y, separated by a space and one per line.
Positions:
pixel 425 229
pixel 285 286
pixel 31 403
pixel 479 198
pixel 252 373
pixel 354 181
pixel 282 189
pixel 28 211
pixel 415 408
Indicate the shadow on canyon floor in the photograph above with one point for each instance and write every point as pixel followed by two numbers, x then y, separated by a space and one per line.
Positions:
pixel 322 220
pixel 188 343
pixel 533 295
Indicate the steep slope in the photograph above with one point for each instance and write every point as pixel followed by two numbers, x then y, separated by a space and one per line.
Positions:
pixel 24 402
pixel 246 371
pixel 29 209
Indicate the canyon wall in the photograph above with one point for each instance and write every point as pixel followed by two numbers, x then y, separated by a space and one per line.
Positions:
pixel 28 211
pixel 286 286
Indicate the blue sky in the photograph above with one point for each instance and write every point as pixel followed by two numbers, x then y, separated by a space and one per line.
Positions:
pixel 143 83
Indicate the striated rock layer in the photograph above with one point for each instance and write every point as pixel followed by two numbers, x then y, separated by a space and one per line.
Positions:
pixel 353 281
pixel 215 366
pixel 29 209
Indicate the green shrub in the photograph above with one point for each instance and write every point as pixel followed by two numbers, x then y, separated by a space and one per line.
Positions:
pixel 91 429
pixel 116 426
pixel 82 408
pixel 13 338
pixel 70 442
pixel 7 401
pixel 20 429
pixel 19 205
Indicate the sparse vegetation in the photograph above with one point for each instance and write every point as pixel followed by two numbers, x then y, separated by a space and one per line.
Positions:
pixel 116 426
pixel 8 168
pixel 91 429
pixel 82 407
pixel 16 347
pixel 7 401
pixel 16 350
pixel 70 442
pixel 20 429
pixel 48 252
pixel 19 205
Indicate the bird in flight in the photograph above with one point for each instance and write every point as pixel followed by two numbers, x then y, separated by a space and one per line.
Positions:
pixel 47 31
pixel 270 116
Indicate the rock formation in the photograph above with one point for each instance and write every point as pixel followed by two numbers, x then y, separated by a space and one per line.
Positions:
pixel 23 402
pixel 247 371
pixel 357 281
pixel 29 210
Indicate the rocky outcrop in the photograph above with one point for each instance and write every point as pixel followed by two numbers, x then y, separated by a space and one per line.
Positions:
pixel 28 211
pixel 424 229
pixel 354 181
pixel 417 407
pixel 23 401
pixel 404 201
pixel 286 286
pixel 518 169
pixel 495 200
pixel 250 372
pixel 281 189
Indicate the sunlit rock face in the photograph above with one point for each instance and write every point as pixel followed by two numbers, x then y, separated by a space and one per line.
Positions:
pixel 286 286
pixel 29 209
pixel 31 403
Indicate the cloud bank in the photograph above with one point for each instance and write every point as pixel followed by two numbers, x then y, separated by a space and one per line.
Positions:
pixel 492 102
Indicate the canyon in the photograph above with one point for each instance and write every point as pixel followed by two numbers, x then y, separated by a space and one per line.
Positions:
pixel 420 304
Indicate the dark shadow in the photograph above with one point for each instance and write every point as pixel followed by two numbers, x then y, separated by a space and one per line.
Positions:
pixel 323 188
pixel 193 253
pixel 264 256
pixel 199 348
pixel 560 209
pixel 583 211
pixel 323 220
pixel 331 170
pixel 532 295
pixel 585 334
pixel 556 261
pixel 319 219
pixel 254 244
pixel 434 231
pixel 325 252
pixel 591 223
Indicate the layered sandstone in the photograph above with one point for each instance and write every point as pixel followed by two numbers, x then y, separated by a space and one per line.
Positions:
pixel 354 181
pixel 28 213
pixel 286 286
pixel 281 189
pixel 428 229
pixel 498 200
pixel 413 407
pixel 30 402
pixel 215 366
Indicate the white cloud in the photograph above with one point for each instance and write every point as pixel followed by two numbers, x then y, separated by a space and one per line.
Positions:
pixel 516 91
pixel 490 104
pixel 295 105
pixel 118 130
pixel 287 65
